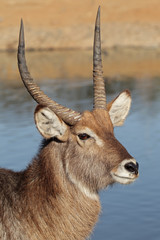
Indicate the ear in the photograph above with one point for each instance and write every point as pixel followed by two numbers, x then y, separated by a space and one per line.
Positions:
pixel 119 108
pixel 49 124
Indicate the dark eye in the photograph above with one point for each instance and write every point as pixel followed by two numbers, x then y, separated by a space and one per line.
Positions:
pixel 83 136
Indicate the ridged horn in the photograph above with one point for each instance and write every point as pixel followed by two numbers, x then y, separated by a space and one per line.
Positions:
pixel 69 116
pixel 99 100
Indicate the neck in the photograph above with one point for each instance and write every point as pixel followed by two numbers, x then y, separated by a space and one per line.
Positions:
pixel 72 209
pixel 83 189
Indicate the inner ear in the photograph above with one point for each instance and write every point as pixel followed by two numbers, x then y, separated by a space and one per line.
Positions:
pixel 119 108
pixel 49 124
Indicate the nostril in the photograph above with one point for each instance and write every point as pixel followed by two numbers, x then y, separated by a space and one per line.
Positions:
pixel 137 165
pixel 131 167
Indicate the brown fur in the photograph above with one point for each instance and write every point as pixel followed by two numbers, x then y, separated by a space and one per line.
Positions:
pixel 42 202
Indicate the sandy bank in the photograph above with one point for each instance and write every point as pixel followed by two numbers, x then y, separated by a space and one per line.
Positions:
pixel 54 24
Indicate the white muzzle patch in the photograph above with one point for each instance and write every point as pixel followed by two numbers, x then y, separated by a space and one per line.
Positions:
pixel 121 175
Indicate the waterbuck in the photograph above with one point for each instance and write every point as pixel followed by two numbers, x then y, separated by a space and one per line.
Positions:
pixel 56 197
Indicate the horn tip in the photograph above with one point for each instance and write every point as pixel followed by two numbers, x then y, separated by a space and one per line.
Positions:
pixel 99 8
pixel 21 25
pixel 21 21
pixel 98 16
pixel 99 11
pixel 21 34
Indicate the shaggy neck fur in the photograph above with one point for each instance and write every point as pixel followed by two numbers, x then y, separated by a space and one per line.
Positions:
pixel 46 203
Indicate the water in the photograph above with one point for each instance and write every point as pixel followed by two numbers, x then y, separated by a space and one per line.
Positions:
pixel 128 212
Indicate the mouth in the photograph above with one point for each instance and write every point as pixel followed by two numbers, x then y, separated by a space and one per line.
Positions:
pixel 123 179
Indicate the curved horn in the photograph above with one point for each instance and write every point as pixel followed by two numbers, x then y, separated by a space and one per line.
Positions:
pixel 68 115
pixel 98 81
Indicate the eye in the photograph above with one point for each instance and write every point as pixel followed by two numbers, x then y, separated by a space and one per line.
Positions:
pixel 83 136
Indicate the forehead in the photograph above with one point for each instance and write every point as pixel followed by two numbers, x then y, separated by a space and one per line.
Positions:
pixel 98 120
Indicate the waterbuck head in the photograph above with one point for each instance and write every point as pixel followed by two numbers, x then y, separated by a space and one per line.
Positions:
pixel 93 157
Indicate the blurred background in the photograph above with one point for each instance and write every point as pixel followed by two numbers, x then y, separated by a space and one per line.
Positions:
pixel 59 39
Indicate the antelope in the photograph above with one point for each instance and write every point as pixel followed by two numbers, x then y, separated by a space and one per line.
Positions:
pixel 56 196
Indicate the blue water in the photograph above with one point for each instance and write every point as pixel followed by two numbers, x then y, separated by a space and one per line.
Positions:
pixel 128 212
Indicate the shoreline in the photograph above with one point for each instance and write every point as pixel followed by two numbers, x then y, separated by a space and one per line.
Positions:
pixel 77 64
pixel 128 35
pixel 104 49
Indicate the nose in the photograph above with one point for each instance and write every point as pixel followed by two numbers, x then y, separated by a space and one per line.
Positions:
pixel 132 167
